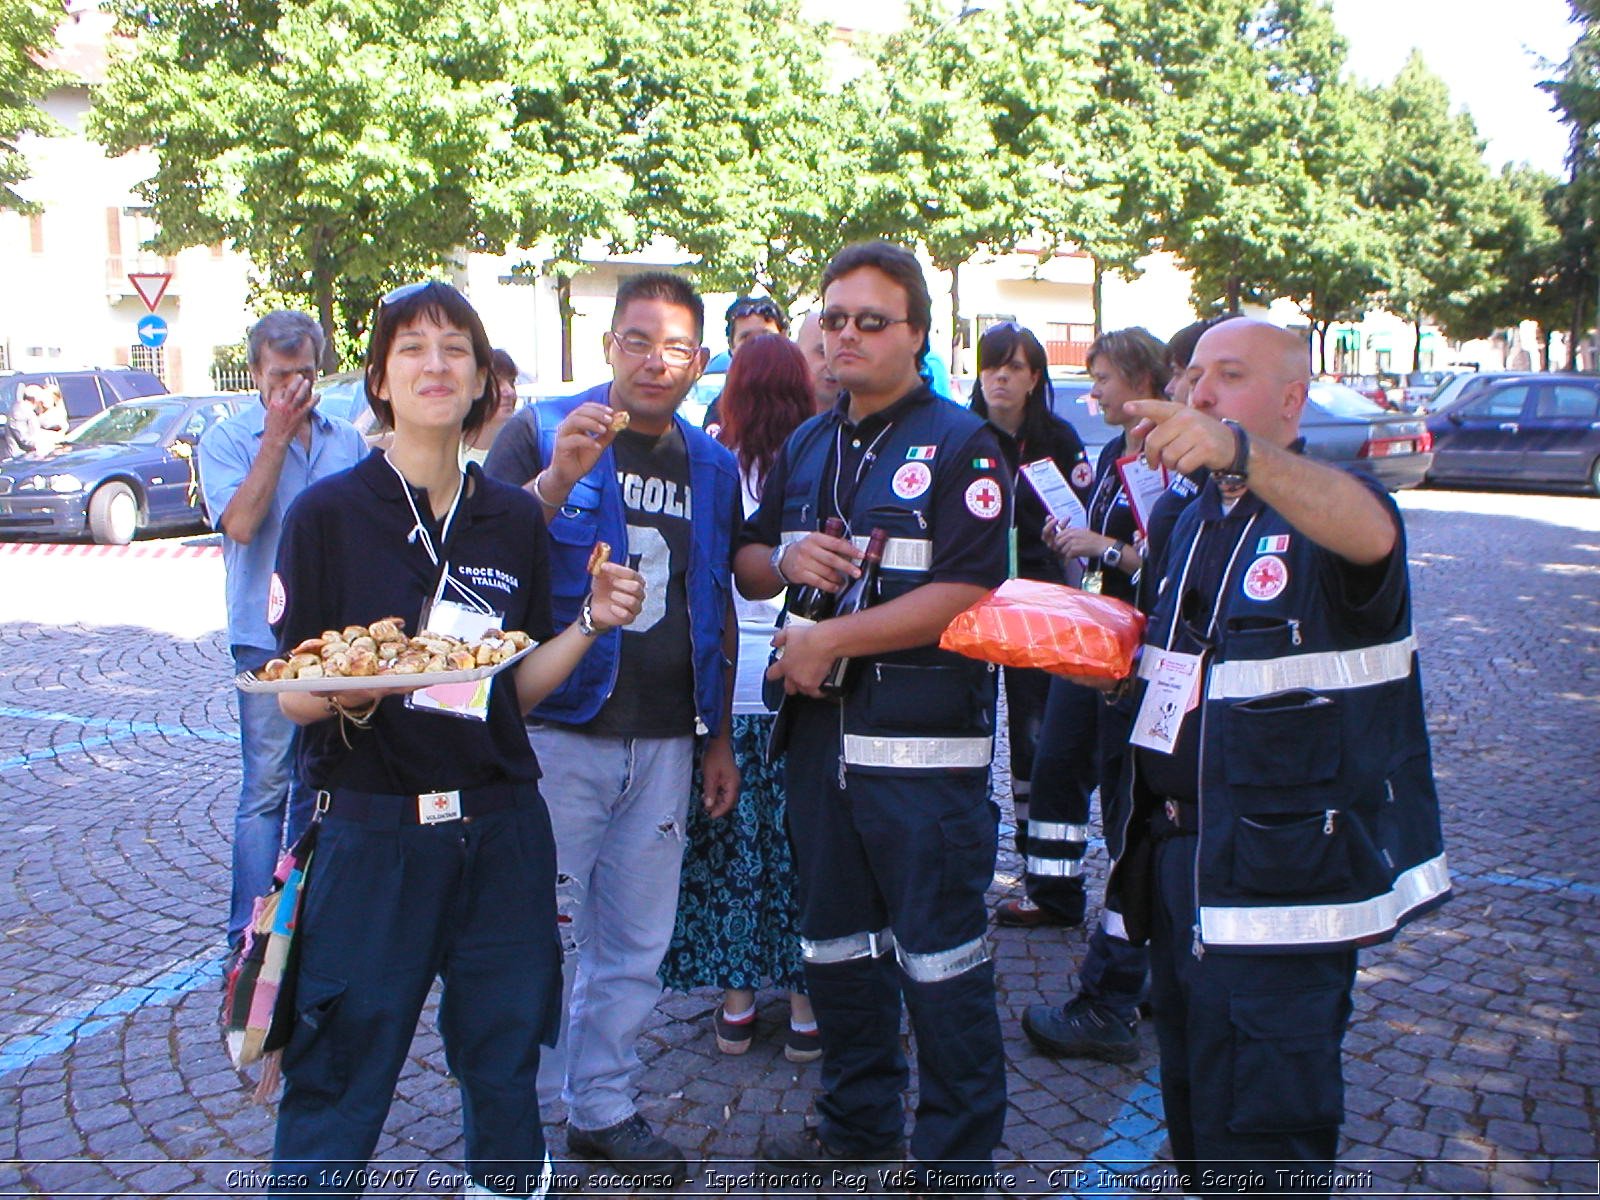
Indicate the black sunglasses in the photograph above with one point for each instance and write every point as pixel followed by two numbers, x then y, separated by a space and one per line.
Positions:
pixel 835 319
pixel 406 290
pixel 758 306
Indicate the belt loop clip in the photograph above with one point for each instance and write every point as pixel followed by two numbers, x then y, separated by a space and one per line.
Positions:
pixel 324 801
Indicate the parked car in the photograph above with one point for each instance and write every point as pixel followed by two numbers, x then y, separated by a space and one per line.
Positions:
pixel 131 469
pixel 1374 387
pixel 1460 388
pixel 86 393
pixel 1072 403
pixel 1524 429
pixel 1344 428
pixel 1417 386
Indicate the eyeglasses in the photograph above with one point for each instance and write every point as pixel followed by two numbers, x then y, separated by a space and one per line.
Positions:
pixel 674 354
pixel 835 319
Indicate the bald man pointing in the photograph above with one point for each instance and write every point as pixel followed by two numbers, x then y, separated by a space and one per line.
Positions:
pixel 1283 807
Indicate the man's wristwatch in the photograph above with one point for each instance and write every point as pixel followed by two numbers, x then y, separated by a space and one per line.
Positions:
pixel 777 564
pixel 586 625
pixel 1112 554
pixel 1237 473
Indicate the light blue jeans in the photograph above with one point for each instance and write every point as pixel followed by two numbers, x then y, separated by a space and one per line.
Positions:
pixel 268 790
pixel 618 808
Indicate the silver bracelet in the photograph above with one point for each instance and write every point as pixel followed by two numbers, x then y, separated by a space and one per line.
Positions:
pixel 539 495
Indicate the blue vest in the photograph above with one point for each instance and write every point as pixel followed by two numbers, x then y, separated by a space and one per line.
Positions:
pixel 594 512
pixel 1318 820
pixel 922 710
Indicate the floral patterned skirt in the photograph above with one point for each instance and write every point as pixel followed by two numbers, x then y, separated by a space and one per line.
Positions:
pixel 737 925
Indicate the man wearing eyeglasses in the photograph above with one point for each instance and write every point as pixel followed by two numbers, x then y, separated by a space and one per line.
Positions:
pixel 887 791
pixel 618 741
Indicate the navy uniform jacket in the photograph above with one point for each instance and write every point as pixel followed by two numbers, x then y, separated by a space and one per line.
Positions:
pixel 1318 820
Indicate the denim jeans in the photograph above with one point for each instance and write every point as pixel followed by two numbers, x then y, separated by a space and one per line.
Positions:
pixel 268 788
pixel 618 808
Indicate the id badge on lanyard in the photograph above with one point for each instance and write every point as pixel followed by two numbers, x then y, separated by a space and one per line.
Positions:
pixel 468 700
pixel 465 621
pixel 1172 694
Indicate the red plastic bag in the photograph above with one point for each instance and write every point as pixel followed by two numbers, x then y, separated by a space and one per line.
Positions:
pixel 1025 623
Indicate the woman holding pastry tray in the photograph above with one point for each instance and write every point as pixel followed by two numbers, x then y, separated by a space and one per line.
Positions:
pixel 434 856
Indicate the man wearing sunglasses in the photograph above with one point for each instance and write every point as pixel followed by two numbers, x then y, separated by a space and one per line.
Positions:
pixel 619 740
pixel 747 317
pixel 887 791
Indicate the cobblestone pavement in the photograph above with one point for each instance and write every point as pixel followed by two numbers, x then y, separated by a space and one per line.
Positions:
pixel 1472 1062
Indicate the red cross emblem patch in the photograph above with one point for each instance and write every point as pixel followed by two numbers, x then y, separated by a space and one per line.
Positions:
pixel 1266 578
pixel 984 498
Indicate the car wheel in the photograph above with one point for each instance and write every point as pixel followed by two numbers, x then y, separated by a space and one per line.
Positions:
pixel 113 515
pixel 1594 477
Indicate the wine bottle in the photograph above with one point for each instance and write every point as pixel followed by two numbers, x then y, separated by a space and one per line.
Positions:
pixel 858 594
pixel 808 603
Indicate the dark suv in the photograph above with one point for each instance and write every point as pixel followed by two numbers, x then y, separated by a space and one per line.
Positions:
pixel 87 393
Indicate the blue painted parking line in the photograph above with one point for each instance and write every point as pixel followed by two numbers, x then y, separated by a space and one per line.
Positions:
pixel 1136 1136
pixel 19 1052
pixel 114 729
pixel 1538 883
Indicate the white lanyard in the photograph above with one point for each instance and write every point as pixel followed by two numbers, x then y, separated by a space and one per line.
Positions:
pixel 862 467
pixel 419 533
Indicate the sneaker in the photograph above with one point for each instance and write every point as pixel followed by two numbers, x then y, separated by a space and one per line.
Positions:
pixel 631 1145
pixel 802 1046
pixel 1081 1029
pixel 733 1037
pixel 806 1150
pixel 1025 914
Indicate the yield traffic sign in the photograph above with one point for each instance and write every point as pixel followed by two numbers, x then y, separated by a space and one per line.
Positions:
pixel 152 330
pixel 151 286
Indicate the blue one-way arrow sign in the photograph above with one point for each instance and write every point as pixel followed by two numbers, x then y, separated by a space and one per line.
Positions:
pixel 152 330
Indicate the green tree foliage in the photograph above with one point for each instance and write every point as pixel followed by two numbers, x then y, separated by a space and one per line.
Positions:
pixel 341 144
pixel 30 33
pixel 1434 202
pixel 972 126
pixel 1225 109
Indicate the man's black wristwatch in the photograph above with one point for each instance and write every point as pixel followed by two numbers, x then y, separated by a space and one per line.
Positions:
pixel 1112 555
pixel 1237 473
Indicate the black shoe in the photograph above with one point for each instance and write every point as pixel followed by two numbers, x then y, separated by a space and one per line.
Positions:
pixel 806 1151
pixel 1081 1029
pixel 1023 913
pixel 632 1146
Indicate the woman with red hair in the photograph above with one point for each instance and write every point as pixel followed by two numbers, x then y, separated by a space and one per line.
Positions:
pixel 737 927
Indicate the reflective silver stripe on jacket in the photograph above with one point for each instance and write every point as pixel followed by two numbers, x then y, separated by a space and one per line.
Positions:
pixel 1321 924
pixel 943 964
pixel 852 945
pixel 1111 921
pixel 917 753
pixel 1324 671
pixel 1057 868
pixel 1058 831
pixel 899 554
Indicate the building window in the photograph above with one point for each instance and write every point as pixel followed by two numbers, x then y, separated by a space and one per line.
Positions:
pixel 144 358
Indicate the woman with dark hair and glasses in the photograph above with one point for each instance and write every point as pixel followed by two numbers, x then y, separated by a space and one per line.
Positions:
pixel 1013 394
pixel 434 857
pixel 738 924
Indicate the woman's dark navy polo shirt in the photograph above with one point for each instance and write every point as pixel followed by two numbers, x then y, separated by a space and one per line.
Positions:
pixel 345 560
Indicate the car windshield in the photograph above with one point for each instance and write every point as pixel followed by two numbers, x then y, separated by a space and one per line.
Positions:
pixel 1341 401
pixel 136 424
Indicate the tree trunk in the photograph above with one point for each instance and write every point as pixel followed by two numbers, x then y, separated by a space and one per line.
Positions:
pixel 1578 325
pixel 564 307
pixel 1416 346
pixel 322 293
pixel 955 320
pixel 1545 334
pixel 1098 296
pixel 1235 291
pixel 1321 330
